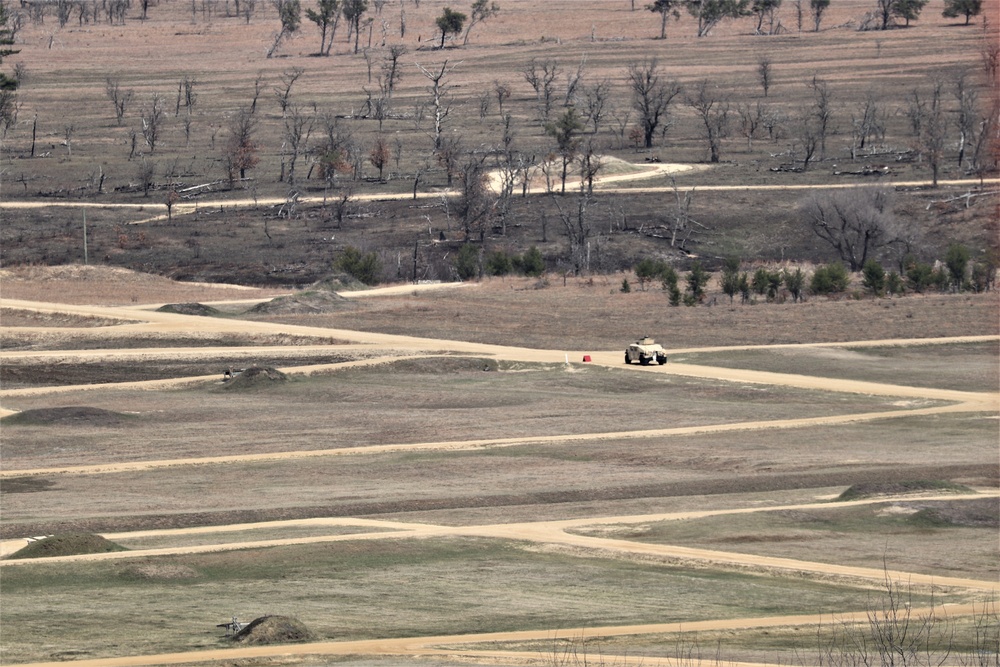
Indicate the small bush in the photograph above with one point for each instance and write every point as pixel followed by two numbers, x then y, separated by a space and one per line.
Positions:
pixel 830 279
pixel 648 269
pixel 365 267
pixel 467 262
pixel 794 281
pixel 696 280
pixel 498 263
pixel 531 263
pixel 894 283
pixel 957 261
pixel 626 288
pixel 873 277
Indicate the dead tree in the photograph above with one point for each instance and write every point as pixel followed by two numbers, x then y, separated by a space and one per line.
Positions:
pixel 438 89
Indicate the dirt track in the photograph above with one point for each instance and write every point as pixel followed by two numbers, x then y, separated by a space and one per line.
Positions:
pixel 549 532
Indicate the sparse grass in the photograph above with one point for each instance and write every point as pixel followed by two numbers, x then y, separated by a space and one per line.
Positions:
pixel 912 486
pixel 917 536
pixel 69 544
pixel 971 366
pixel 465 585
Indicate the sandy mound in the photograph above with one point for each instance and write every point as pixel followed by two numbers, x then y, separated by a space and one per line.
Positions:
pixel 72 415
pixel 255 377
pixel 274 630
pixel 189 309
pixel 69 544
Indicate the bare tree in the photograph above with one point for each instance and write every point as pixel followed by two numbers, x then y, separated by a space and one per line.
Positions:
pixel 152 122
pixel 283 93
pixel 966 118
pixel 573 80
pixel 475 203
pixel 438 89
pixel 146 171
pixel 764 74
pixel 713 110
pixel 822 112
pixel 928 125
pixel 298 129
pixel 120 98
pixel 856 222
pixel 651 97
pixel 502 93
pixel 806 139
pixel 595 101
pixel 867 125
pixel 751 121
pixel 578 230
pixel 240 151
pixel 541 77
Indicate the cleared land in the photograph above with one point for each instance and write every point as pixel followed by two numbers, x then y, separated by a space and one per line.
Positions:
pixel 490 489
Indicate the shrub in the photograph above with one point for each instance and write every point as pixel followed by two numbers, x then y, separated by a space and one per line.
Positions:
pixel 894 283
pixel 499 263
pixel 365 267
pixel 794 281
pixel 531 262
pixel 467 262
pixel 957 261
pixel 919 275
pixel 626 288
pixel 647 269
pixel 873 277
pixel 830 279
pixel 759 281
pixel 696 281
pixel 731 277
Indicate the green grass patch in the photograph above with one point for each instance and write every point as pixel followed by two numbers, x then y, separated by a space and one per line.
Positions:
pixel 413 587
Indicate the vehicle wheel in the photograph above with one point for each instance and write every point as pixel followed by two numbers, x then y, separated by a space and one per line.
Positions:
pixel 644 361
pixel 627 360
pixel 662 359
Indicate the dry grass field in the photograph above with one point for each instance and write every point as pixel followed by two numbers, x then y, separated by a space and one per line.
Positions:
pixel 437 477
pixel 430 496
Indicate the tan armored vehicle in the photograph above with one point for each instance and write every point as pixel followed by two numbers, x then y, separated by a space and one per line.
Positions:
pixel 645 351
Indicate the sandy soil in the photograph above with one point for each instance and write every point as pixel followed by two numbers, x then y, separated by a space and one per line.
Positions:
pixel 551 534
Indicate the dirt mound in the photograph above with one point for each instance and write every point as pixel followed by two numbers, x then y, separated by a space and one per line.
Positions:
pixel 337 282
pixel 68 544
pixel 870 489
pixel 274 630
pixel 307 302
pixel 255 376
pixel 189 309
pixel 71 415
